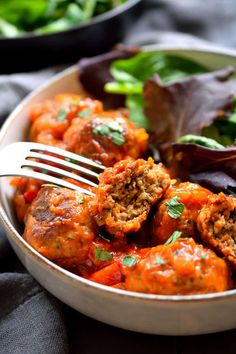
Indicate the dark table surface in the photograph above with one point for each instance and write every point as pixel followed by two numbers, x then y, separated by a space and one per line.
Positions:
pixel 167 21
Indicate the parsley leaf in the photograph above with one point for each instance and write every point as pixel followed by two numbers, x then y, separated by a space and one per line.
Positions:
pixel 61 115
pixel 80 198
pixel 129 261
pixel 160 261
pixel 101 255
pixel 71 160
pixel 174 208
pixel 112 130
pixel 173 237
pixel 203 256
pixel 85 113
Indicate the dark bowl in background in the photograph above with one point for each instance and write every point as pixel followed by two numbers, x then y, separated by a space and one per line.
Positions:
pixel 31 52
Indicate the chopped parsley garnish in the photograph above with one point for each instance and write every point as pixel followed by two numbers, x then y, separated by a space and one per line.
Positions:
pixel 160 261
pixel 101 255
pixel 71 160
pixel 61 115
pixel 85 113
pixel 129 261
pixel 173 237
pixel 112 130
pixel 45 172
pixel 80 198
pixel 203 256
pixel 174 208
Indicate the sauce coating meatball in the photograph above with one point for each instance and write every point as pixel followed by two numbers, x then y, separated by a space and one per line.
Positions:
pixel 217 225
pixel 193 197
pixel 52 118
pixel 58 225
pixel 126 193
pixel 180 268
pixel 107 138
pixel 26 191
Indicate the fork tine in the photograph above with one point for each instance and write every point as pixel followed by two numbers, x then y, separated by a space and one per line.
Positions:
pixel 62 153
pixel 49 179
pixel 62 163
pixel 56 170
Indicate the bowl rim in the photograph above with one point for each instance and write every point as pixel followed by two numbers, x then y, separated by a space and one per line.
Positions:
pixel 94 21
pixel 67 275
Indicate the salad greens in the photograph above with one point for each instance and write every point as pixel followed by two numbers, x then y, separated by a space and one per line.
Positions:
pixel 44 16
pixel 200 140
pixel 130 74
pixel 189 111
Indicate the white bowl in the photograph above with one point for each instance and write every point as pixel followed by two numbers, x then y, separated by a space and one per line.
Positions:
pixel 157 314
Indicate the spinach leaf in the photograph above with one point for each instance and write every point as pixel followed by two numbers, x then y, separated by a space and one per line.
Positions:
pixel 200 140
pixel 44 16
pixel 135 104
pixel 145 64
pixel 130 75
pixel 23 11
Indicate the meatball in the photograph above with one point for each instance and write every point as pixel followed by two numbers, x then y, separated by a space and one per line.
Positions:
pixel 192 197
pixel 52 118
pixel 180 268
pixel 217 225
pixel 58 225
pixel 26 191
pixel 126 193
pixel 107 138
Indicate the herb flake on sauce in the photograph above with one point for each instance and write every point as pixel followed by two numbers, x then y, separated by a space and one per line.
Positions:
pixel 174 237
pixel 112 130
pixel 129 261
pixel 174 208
pixel 61 115
pixel 101 255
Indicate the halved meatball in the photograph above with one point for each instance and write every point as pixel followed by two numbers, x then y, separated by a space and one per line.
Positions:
pixel 180 268
pixel 217 225
pixel 58 225
pixel 126 193
pixel 107 137
pixel 192 197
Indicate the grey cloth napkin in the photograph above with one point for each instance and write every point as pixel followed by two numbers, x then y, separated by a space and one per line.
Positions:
pixel 31 320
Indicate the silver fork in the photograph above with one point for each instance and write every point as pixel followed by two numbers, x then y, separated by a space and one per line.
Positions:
pixel 16 160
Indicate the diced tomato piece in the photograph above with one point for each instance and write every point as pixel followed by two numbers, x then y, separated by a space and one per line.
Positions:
pixel 110 275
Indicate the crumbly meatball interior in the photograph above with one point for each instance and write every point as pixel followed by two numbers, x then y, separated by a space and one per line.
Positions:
pixel 179 268
pixel 217 225
pixel 59 226
pixel 126 193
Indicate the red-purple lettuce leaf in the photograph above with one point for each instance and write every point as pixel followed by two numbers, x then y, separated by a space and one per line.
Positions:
pixel 94 73
pixel 212 168
pixel 186 106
